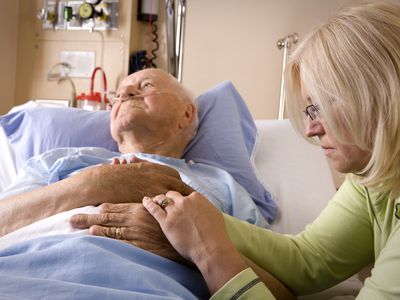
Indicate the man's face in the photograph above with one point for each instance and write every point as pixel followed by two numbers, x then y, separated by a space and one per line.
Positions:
pixel 148 102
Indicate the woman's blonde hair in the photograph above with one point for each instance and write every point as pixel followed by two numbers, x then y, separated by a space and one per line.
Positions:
pixel 350 67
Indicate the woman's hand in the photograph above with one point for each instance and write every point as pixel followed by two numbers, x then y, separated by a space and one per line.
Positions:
pixel 197 231
pixel 192 224
pixel 131 223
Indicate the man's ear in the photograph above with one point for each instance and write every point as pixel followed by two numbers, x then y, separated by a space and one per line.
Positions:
pixel 188 116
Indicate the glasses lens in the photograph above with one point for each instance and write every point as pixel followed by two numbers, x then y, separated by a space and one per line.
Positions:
pixel 311 111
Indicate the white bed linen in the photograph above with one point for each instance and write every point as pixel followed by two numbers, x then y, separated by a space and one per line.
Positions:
pixel 295 172
pixel 7 161
pixel 57 224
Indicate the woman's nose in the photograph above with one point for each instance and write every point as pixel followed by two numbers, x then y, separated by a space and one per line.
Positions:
pixel 314 128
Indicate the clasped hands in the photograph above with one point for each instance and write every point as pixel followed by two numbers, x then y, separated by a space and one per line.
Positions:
pixel 180 217
pixel 125 184
pixel 132 222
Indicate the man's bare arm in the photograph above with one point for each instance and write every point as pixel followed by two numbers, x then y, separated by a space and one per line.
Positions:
pixel 23 209
pixel 106 183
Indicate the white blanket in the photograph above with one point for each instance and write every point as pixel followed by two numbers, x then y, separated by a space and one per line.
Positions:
pixel 57 224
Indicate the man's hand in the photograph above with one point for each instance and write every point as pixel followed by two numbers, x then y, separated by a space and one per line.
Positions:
pixel 131 223
pixel 96 185
pixel 120 183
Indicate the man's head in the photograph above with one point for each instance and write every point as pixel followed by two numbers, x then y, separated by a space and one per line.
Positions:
pixel 153 113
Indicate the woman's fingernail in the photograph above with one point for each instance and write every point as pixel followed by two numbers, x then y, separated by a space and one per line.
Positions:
pixel 146 199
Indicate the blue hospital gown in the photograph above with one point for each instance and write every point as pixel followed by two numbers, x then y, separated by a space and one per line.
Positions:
pixel 214 183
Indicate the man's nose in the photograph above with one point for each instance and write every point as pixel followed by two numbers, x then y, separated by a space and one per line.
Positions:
pixel 129 96
pixel 129 91
pixel 314 128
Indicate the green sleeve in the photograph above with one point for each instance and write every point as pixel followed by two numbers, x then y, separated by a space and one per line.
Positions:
pixel 245 285
pixel 384 282
pixel 335 246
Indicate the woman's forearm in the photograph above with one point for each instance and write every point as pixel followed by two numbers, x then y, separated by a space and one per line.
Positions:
pixel 277 288
pixel 219 266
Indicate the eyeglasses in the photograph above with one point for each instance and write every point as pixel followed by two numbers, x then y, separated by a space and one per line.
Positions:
pixel 311 111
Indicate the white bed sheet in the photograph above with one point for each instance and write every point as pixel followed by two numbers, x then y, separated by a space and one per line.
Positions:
pixel 53 225
pixel 7 161
pixel 295 172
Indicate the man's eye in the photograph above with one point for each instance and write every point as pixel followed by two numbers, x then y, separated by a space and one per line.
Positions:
pixel 146 85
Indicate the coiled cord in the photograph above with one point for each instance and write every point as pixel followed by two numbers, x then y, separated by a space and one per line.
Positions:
pixel 153 46
pixel 155 43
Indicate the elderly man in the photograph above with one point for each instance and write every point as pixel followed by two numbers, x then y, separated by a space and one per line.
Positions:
pixel 151 103
pixel 153 117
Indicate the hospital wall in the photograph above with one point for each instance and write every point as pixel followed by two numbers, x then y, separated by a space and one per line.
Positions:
pixel 237 40
pixel 224 40
pixel 28 52
pixel 8 52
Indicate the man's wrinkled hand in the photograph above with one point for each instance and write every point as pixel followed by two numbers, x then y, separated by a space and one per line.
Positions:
pixel 131 223
pixel 121 183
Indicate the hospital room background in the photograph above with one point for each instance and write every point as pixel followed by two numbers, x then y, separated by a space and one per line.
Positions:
pixel 221 40
pixel 65 52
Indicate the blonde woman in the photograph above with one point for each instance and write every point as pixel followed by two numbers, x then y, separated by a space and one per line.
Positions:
pixel 346 78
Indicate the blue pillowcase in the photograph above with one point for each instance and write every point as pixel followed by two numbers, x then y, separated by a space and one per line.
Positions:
pixel 225 138
pixel 34 130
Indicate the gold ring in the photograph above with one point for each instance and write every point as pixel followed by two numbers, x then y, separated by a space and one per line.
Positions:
pixel 118 233
pixel 165 202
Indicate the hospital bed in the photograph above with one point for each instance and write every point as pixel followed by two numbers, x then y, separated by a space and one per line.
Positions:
pixel 295 173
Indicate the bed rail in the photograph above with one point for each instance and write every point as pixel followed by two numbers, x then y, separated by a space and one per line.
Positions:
pixel 285 43
pixel 176 12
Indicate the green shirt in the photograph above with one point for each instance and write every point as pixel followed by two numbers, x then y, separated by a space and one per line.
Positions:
pixel 358 227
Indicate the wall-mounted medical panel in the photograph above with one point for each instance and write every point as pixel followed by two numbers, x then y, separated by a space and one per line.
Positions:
pixel 79 14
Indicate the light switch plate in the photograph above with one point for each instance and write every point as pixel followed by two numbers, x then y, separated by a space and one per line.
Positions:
pixel 82 62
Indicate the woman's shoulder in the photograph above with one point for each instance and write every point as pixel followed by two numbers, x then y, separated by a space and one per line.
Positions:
pixel 351 187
